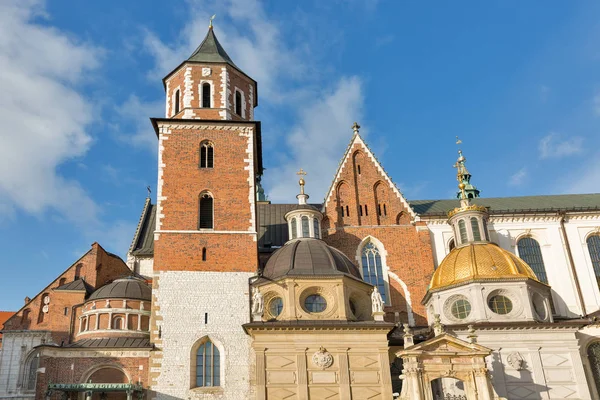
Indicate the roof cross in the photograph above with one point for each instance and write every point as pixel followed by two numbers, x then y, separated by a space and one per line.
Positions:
pixel 302 174
pixel 355 127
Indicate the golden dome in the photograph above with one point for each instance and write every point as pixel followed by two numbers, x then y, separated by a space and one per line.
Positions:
pixel 479 261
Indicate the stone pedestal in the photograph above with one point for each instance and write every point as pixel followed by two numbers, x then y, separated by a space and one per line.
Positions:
pixel 256 317
pixel 378 315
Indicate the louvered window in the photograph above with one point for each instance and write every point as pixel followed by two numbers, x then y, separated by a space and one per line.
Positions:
pixel 206 95
pixel 316 228
pixel 305 227
pixel 294 228
pixel 463 231
pixel 531 253
pixel 206 211
pixel 207 154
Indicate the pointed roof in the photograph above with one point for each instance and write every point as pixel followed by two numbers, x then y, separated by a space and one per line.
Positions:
pixel 211 51
pixel 357 139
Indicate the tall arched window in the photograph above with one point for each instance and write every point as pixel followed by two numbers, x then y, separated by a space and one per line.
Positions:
pixel 294 228
pixel 118 323
pixel 32 364
pixel 207 154
pixel 238 103
pixel 531 253
pixel 316 228
pixel 451 245
pixel 206 95
pixel 593 353
pixel 208 365
pixel 78 268
pixel 463 231
pixel 475 229
pixel 305 227
pixel 176 100
pixel 372 268
pixel 206 211
pixel 593 243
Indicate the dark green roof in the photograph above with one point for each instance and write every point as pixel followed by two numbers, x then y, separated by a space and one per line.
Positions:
pixel 211 51
pixel 519 205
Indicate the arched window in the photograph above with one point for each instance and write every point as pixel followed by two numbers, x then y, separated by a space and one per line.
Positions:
pixel 451 244
pixel 316 228
pixel 305 227
pixel 208 365
pixel 347 211
pixel 118 323
pixel 238 103
pixel 593 243
pixel 372 268
pixel 294 228
pixel 206 211
pixel 78 271
pixel 593 353
pixel 206 95
pixel 475 229
pixel 463 231
pixel 531 253
pixel 32 364
pixel 206 155
pixel 176 100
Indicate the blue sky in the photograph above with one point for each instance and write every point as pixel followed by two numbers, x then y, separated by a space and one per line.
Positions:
pixel 519 82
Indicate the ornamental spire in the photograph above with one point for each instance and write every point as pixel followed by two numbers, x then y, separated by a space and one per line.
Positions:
pixel 466 190
pixel 302 197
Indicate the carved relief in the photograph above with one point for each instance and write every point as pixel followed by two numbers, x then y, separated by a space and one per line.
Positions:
pixel 322 359
pixel 516 361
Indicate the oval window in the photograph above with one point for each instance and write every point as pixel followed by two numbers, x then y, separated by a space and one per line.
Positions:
pixel 276 306
pixel 315 303
pixel 500 304
pixel 461 309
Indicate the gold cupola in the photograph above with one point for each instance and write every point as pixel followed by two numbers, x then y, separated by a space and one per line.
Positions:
pixel 474 258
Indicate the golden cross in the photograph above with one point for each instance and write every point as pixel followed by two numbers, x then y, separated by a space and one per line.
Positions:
pixel 301 172
pixel 301 181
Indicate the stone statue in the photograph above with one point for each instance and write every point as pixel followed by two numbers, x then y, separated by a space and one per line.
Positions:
pixel 257 303
pixel 438 328
pixel 376 301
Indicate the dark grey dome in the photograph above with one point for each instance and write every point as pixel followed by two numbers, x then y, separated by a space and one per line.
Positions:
pixel 309 257
pixel 124 288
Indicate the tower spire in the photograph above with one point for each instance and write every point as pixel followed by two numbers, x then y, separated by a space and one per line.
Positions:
pixel 466 190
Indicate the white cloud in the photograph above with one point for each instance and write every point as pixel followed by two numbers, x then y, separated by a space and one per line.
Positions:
pixel 43 114
pixel 317 142
pixel 325 108
pixel 551 146
pixel 518 177
pixel 136 113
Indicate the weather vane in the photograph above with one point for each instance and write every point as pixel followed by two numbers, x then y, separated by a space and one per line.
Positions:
pixel 302 174
pixel 149 191
pixel 211 20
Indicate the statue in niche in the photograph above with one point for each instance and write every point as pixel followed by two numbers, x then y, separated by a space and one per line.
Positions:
pixel 257 303
pixel 376 301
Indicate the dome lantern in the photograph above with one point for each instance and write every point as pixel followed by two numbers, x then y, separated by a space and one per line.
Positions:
pixel 304 221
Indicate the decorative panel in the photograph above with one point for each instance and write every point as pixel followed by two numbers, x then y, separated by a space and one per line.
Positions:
pixel 324 393
pixel 367 393
pixel 277 377
pixel 323 377
pixel 281 394
pixel 281 362
pixel 363 362
pixel 364 376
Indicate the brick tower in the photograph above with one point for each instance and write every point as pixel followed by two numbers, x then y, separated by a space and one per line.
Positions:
pixel 205 240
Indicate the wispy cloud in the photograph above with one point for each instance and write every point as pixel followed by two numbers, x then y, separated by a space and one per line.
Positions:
pixel 44 115
pixel 324 108
pixel 519 177
pixel 134 125
pixel 552 146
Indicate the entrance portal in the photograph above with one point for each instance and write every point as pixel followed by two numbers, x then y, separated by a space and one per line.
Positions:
pixel 448 389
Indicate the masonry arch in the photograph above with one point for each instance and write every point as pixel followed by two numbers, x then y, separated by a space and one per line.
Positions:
pixel 106 373
pixel 217 364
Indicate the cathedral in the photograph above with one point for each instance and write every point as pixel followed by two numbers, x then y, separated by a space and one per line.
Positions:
pixel 361 295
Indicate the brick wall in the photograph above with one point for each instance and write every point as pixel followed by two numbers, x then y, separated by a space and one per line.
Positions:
pixel 377 209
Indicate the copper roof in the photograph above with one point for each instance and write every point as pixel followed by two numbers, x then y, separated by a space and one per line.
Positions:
pixel 309 257
pixel 124 288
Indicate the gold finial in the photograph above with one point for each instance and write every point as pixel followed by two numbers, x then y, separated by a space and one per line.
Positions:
pixel 355 127
pixel 211 20
pixel 302 174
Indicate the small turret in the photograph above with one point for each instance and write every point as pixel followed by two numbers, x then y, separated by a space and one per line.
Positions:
pixel 305 220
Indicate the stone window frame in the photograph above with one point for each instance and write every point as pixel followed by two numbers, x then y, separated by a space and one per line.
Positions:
pixel 27 371
pixel 206 144
pixel 384 266
pixel 588 254
pixel 235 102
pixel 174 102
pixel 203 193
pixel 529 235
pixel 193 367
pixel 595 377
pixel 201 93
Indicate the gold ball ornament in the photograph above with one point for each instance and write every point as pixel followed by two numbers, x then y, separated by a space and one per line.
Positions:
pixel 461 186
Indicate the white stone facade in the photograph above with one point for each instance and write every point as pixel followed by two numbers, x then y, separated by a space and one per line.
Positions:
pixel 183 302
pixel 551 367
pixel 16 347
pixel 546 229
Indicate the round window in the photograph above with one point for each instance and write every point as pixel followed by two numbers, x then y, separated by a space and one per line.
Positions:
pixel 276 306
pixel 315 303
pixel 461 309
pixel 500 304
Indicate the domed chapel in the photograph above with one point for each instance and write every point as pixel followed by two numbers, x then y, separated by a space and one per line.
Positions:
pixel 362 294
